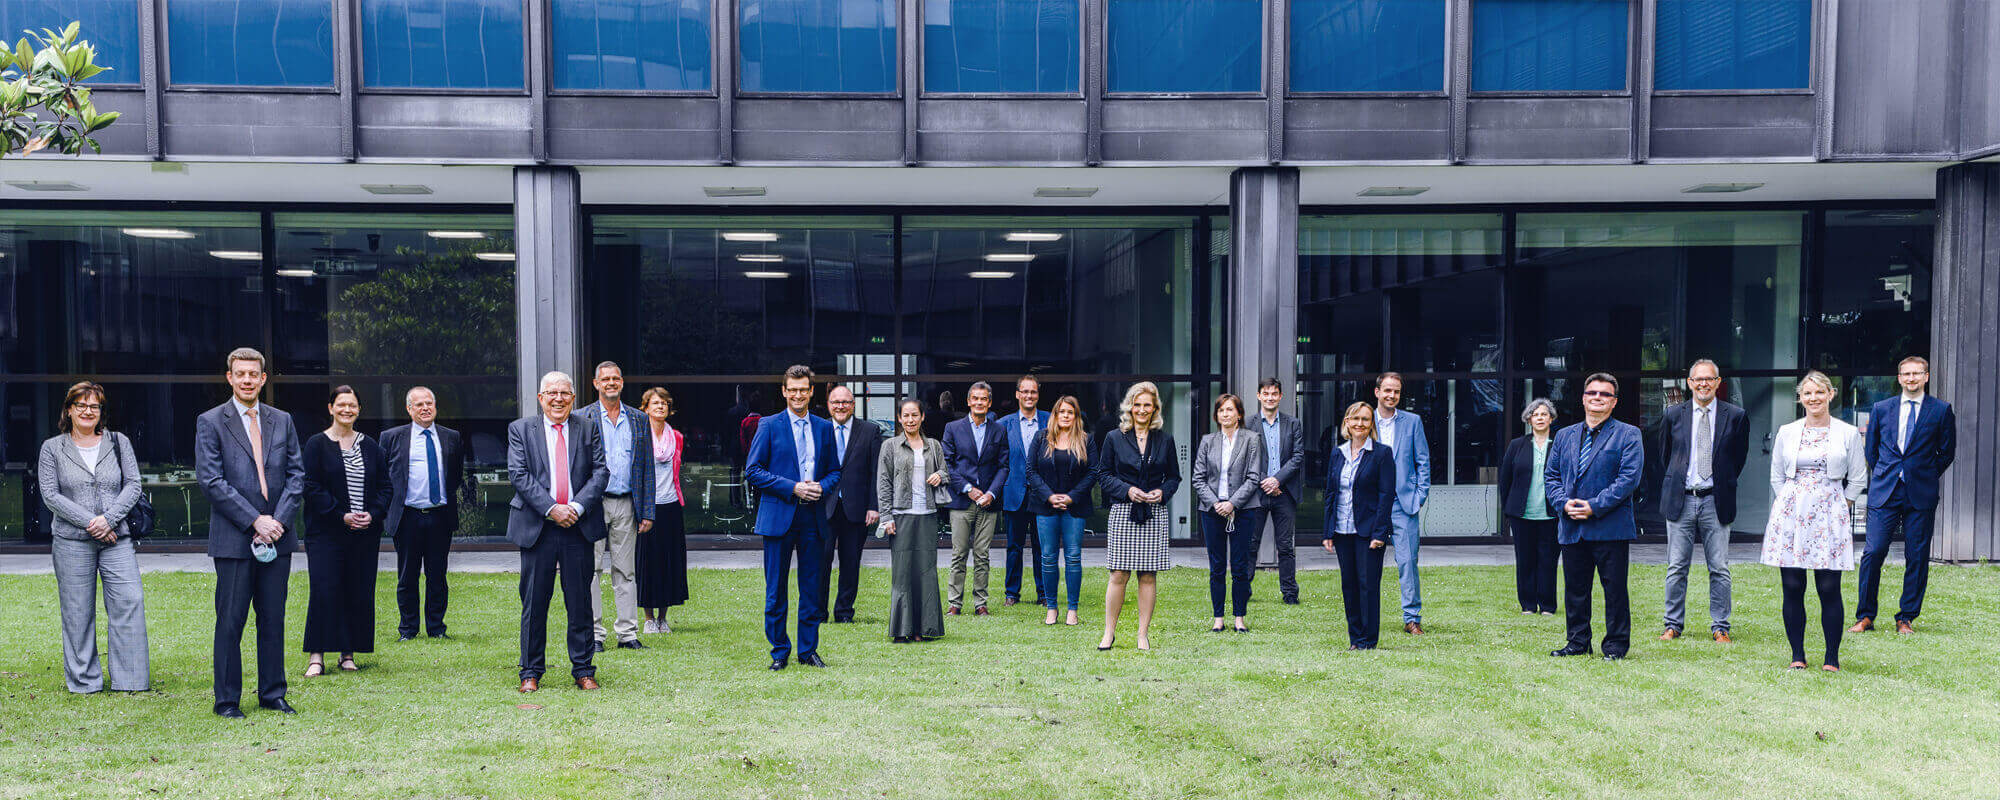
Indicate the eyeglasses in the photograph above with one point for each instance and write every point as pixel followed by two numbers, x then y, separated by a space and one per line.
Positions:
pixel 1703 380
pixel 86 406
pixel 1597 393
pixel 558 394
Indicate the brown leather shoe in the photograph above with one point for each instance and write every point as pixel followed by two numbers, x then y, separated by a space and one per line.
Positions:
pixel 1904 626
pixel 1413 628
pixel 1669 635
pixel 953 611
pixel 1863 625
pixel 1721 636
pixel 530 685
pixel 587 683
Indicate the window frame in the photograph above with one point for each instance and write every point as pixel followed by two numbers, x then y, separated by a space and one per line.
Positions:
pixel 1262 91
pixel 1082 63
pixel 1813 45
pixel 164 41
pixel 736 65
pixel 359 33
pixel 1442 92
pixel 716 20
pixel 1634 28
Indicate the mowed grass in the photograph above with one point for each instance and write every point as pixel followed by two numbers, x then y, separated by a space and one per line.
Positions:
pixel 1005 707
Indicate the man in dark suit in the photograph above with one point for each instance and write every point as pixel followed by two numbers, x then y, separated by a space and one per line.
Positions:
pixel 792 463
pixel 557 468
pixel 1284 479
pixel 1022 427
pixel 426 475
pixel 247 460
pixel 1593 471
pixel 1706 441
pixel 1912 439
pixel 851 513
pixel 975 456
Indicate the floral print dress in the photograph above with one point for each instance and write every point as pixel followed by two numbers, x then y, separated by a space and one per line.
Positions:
pixel 1810 525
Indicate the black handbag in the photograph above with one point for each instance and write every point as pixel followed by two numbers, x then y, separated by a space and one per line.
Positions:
pixel 140 522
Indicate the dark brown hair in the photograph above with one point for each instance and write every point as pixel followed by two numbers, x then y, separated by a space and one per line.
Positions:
pixel 76 394
pixel 1232 400
pixel 334 396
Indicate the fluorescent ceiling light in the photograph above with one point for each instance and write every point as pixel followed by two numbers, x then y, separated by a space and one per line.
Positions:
pixel 1031 236
pixel 1065 191
pixel 749 236
pixel 1720 188
pixel 494 256
pixel 48 186
pixel 1392 191
pixel 989 274
pixel 766 274
pixel 455 234
pixel 1015 258
pixel 295 272
pixel 761 258
pixel 733 191
pixel 395 188
pixel 158 233
pixel 237 255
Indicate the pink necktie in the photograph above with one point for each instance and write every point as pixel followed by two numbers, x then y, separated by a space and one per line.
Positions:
pixel 561 459
pixel 257 452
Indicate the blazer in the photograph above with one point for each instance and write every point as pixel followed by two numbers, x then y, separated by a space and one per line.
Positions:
pixel 642 454
pixel 1845 456
pixel 896 471
pixel 985 468
pixel 1374 491
pixel 227 472
pixel 76 495
pixel 857 491
pixel 326 486
pixel 1017 460
pixel 1933 444
pixel 453 453
pixel 1608 482
pixel 1413 463
pixel 772 467
pixel 1243 473
pixel 1291 445
pixel 1517 467
pixel 528 470
pixel 1729 450
pixel 1120 467
pixel 1059 473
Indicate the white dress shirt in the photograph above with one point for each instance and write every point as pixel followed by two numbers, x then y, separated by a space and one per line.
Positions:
pixel 1700 415
pixel 1385 429
pixel 799 427
pixel 1228 458
pixel 1343 516
pixel 549 437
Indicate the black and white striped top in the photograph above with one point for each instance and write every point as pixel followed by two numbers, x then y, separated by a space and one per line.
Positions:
pixel 357 479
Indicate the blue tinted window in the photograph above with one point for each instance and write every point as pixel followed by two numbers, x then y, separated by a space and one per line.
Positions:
pixel 1368 45
pixel 1000 45
pixel 1733 44
pixel 111 26
pixel 449 44
pixel 632 44
pixel 1548 45
pixel 250 42
pixel 818 45
pixel 1185 46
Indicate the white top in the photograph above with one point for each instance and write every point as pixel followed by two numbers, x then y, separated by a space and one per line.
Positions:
pixel 920 488
pixel 1228 459
pixel 1702 416
pixel 1343 515
pixel 1385 429
pixel 549 438
pixel 1846 461
pixel 664 447
pixel 89 454
pixel 799 427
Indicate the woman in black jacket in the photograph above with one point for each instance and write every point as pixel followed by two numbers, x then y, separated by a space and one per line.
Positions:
pixel 1059 481
pixel 1139 471
pixel 1360 491
pixel 347 496
pixel 1526 505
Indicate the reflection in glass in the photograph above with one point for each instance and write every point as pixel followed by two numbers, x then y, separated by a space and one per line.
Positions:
pixel 1440 322
pixel 1367 45
pixel 250 42
pixel 1001 46
pixel 631 45
pixel 1733 44
pixel 111 26
pixel 1168 46
pixel 450 44
pixel 1549 45
pixel 1875 291
pixel 812 46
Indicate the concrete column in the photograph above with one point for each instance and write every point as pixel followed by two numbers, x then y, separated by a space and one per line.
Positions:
pixel 1263 317
pixel 1965 357
pixel 548 270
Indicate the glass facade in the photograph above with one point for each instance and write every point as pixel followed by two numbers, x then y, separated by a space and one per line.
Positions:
pixel 1001 46
pixel 1733 44
pixel 1367 45
pixel 443 44
pixel 250 42
pixel 111 26
pixel 812 46
pixel 1175 46
pixel 632 45
pixel 1549 45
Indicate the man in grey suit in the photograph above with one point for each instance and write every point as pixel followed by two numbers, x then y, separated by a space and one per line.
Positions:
pixel 558 473
pixel 1284 481
pixel 246 458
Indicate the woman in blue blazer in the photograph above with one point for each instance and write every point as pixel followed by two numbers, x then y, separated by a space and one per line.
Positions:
pixel 1360 491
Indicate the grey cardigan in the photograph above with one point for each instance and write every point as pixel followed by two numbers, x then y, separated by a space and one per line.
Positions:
pixel 76 495
pixel 895 468
pixel 1243 473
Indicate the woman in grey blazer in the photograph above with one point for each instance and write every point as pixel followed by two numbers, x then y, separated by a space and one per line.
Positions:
pixel 1228 465
pixel 909 483
pixel 90 480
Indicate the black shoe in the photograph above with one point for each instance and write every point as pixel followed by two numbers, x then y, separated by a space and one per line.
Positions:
pixel 1613 656
pixel 406 637
pixel 228 711
pixel 840 620
pixel 439 635
pixel 777 664
pixel 1292 601
pixel 597 646
pixel 812 660
pixel 633 644
pixel 1571 650
pixel 277 705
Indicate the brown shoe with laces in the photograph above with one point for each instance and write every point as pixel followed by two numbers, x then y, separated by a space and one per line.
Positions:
pixel 1669 635
pixel 1903 626
pixel 587 683
pixel 1413 628
pixel 1721 637
pixel 1863 625
pixel 530 685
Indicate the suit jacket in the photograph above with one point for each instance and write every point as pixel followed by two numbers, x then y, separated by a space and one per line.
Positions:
pixel 1730 448
pixel 453 453
pixel 326 486
pixel 1243 474
pixel 1017 461
pixel 1058 473
pixel 528 469
pixel 76 495
pixel 1608 482
pixel 1517 467
pixel 1413 463
pixel 1933 444
pixel 772 467
pixel 1374 491
pixel 641 468
pixel 1120 466
pixel 985 468
pixel 857 472
pixel 227 472
pixel 1291 444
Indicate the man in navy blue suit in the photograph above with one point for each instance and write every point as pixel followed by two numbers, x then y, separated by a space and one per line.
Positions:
pixel 975 455
pixel 1593 470
pixel 1022 427
pixel 1911 441
pixel 793 466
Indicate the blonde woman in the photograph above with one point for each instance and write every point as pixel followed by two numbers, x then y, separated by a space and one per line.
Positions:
pixel 1818 469
pixel 1059 480
pixel 1139 471
pixel 1360 493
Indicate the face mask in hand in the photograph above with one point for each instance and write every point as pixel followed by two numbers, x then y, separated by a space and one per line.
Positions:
pixel 263 552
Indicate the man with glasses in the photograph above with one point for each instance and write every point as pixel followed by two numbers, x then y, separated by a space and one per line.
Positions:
pixel 1022 427
pixel 850 513
pixel 1912 439
pixel 1706 441
pixel 557 468
pixel 793 464
pixel 1592 473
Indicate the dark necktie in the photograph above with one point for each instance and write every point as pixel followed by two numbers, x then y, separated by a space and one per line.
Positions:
pixel 1583 456
pixel 431 457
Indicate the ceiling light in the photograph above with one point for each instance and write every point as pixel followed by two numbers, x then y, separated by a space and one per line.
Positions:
pixel 989 274
pixel 766 274
pixel 237 255
pixel 733 191
pixel 455 234
pixel 48 186
pixel 395 188
pixel 749 236
pixel 158 233
pixel 1720 188
pixel 494 256
pixel 1392 191
pixel 1065 191
pixel 1015 258
pixel 761 258
pixel 1030 236
pixel 295 272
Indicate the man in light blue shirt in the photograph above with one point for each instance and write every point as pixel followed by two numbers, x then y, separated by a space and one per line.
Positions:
pixel 628 502
pixel 1284 482
pixel 1403 432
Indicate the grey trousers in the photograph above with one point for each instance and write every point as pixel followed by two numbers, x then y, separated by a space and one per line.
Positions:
pixel 618 553
pixel 971 536
pixel 78 565
pixel 1698 522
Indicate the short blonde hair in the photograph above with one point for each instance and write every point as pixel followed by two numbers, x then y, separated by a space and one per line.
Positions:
pixel 1131 394
pixel 1815 378
pixel 1364 411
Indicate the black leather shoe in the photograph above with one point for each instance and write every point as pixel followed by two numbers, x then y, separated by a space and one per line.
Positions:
pixel 1614 656
pixel 597 646
pixel 1570 650
pixel 406 637
pixel 812 660
pixel 634 644
pixel 440 636
pixel 277 705
pixel 777 664
pixel 843 619
pixel 228 711
pixel 1291 601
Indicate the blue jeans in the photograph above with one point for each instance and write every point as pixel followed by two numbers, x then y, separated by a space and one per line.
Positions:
pixel 1405 541
pixel 1065 530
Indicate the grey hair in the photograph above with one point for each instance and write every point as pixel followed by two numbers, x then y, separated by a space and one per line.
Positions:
pixel 555 376
pixel 411 395
pixel 1539 402
pixel 1710 363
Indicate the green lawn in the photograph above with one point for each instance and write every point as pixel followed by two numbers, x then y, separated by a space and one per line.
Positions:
pixel 1004 707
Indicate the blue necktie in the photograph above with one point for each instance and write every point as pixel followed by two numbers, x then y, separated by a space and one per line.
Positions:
pixel 1909 422
pixel 431 457
pixel 1583 457
pixel 799 442
pixel 840 448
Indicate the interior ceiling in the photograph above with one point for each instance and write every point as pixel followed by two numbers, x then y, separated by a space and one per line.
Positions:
pixel 967 186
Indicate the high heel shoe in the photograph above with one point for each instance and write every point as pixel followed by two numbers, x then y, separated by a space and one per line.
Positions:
pixel 1107 646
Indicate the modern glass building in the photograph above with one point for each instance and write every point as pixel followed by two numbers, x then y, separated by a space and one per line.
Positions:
pixel 1491 197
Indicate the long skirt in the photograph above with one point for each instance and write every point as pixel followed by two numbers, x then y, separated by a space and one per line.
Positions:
pixel 662 559
pixel 914 606
pixel 340 609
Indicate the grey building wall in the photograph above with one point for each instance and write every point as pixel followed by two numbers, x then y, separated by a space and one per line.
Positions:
pixel 1965 320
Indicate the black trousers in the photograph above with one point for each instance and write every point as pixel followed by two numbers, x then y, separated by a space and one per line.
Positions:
pixel 1609 562
pixel 1231 554
pixel 1022 535
pixel 1360 588
pixel 1284 511
pixel 242 584
pixel 845 542
pixel 565 551
pixel 1535 556
pixel 340 605
pixel 423 545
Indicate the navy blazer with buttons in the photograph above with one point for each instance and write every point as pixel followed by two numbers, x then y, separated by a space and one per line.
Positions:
pixel 1017 466
pixel 1933 444
pixel 1374 491
pixel 772 466
pixel 1608 482
pixel 1057 473
pixel 985 468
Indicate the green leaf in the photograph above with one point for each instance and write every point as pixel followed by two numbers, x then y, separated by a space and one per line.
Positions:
pixel 69 33
pixel 102 121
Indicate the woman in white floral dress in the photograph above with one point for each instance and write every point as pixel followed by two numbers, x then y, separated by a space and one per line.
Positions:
pixel 1817 470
